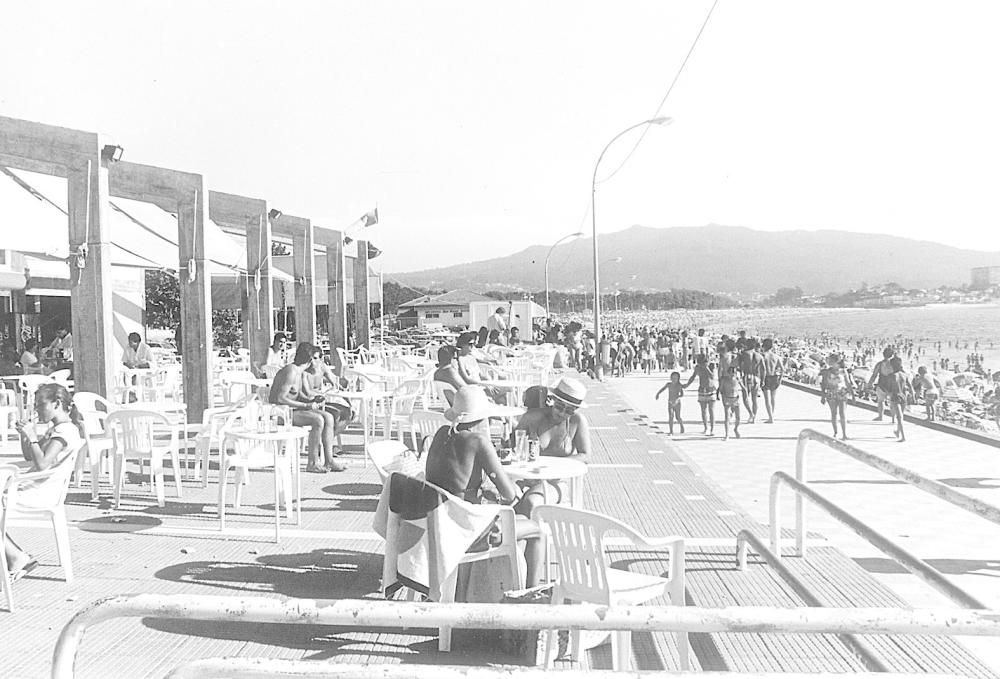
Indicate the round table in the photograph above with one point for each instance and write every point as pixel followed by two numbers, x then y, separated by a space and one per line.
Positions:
pixel 292 438
pixel 549 468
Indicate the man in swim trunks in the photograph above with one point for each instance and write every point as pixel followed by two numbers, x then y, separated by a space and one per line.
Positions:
pixel 751 366
pixel 289 389
pixel 704 372
pixel 773 371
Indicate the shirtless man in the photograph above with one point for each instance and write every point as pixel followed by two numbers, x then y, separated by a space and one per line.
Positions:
pixel 461 455
pixel 289 388
pixel 751 366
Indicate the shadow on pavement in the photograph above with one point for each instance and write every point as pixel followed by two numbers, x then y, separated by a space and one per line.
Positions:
pixel 947 566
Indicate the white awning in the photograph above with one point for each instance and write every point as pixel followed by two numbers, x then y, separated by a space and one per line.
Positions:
pixel 33 219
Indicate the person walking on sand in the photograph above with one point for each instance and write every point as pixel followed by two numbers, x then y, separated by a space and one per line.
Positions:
pixel 731 390
pixel 881 379
pixel 751 366
pixel 837 389
pixel 704 372
pixel 930 387
pixel 675 390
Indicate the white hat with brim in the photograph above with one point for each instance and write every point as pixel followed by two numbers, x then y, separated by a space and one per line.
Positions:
pixel 472 404
pixel 570 391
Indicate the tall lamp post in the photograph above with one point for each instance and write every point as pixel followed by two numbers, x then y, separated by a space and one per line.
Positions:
pixel 593 214
pixel 564 238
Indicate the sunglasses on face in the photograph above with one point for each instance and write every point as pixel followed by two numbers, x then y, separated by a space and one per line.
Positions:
pixel 564 407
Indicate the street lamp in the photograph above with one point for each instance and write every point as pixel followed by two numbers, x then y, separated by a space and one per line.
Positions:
pixel 572 235
pixel 593 216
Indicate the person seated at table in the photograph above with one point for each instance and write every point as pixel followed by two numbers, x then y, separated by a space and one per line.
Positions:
pixel 468 367
pixel 62 438
pixel 288 389
pixel 496 349
pixel 515 336
pixel 275 358
pixel 318 378
pixel 8 358
pixel 30 365
pixel 62 346
pixel 561 430
pixel 462 455
pixel 137 354
pixel 447 369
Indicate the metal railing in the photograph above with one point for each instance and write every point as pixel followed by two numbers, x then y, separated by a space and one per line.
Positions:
pixel 970 504
pixel 864 652
pixel 395 614
pixel 900 555
pixel 269 668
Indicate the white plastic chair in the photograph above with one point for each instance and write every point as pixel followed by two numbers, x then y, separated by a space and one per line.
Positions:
pixel 98 442
pixel 577 538
pixel 406 490
pixel 237 385
pixel 393 456
pixel 209 437
pixel 244 453
pixel 423 425
pixel 136 434
pixel 37 495
pixel 400 405
pixel 27 386
pixel 445 392
pixel 9 413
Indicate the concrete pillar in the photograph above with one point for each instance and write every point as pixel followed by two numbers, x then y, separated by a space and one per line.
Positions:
pixel 336 290
pixel 94 364
pixel 362 310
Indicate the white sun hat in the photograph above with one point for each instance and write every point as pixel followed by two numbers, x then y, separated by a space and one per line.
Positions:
pixel 472 404
pixel 570 391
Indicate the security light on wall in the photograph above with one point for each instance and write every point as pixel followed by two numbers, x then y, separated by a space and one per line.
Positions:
pixel 274 213
pixel 112 153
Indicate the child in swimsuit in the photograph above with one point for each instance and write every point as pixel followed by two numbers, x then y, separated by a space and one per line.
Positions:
pixel 837 389
pixel 731 388
pixel 675 390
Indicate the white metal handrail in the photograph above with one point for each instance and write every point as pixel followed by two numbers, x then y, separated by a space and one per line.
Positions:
pixel 900 555
pixel 269 668
pixel 978 507
pixel 364 613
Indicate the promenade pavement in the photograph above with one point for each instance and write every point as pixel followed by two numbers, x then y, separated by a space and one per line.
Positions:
pixel 706 490
pixel 959 544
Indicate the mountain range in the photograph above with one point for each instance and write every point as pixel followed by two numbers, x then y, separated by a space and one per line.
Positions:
pixel 716 258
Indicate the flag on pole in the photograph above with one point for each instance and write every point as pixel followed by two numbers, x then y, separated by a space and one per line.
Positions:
pixel 370 218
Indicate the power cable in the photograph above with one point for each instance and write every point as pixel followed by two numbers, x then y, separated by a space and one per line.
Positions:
pixel 665 96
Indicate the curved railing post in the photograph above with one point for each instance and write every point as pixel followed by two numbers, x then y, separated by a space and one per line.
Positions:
pixel 774 510
pixel 900 555
pixel 800 504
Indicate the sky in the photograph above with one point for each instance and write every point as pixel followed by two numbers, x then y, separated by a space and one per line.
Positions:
pixel 475 127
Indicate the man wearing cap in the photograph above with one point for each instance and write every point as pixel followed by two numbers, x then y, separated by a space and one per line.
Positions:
pixel 461 454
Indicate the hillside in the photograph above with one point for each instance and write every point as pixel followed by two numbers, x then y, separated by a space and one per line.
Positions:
pixel 720 259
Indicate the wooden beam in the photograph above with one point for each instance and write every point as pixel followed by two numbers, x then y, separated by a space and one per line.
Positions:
pixel 250 215
pixel 336 287
pixel 303 269
pixel 76 155
pixel 184 194
pixel 362 310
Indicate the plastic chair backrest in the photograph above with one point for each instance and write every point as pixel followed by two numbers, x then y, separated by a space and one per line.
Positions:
pixel 578 541
pixel 135 430
pixel 393 456
pixel 60 375
pixel 88 401
pixel 270 371
pixel 425 424
pixel 445 392
pixel 48 487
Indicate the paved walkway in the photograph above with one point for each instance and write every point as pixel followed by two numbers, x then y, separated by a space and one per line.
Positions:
pixel 704 489
pixel 960 545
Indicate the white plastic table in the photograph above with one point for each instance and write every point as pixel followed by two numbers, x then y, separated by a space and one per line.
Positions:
pixel 549 468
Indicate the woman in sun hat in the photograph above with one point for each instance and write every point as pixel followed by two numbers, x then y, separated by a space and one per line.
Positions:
pixel 561 430
pixel 462 453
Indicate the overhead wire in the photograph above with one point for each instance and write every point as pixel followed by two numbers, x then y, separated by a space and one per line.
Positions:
pixel 670 89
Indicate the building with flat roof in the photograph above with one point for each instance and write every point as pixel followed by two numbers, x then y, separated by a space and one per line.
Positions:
pixel 984 277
